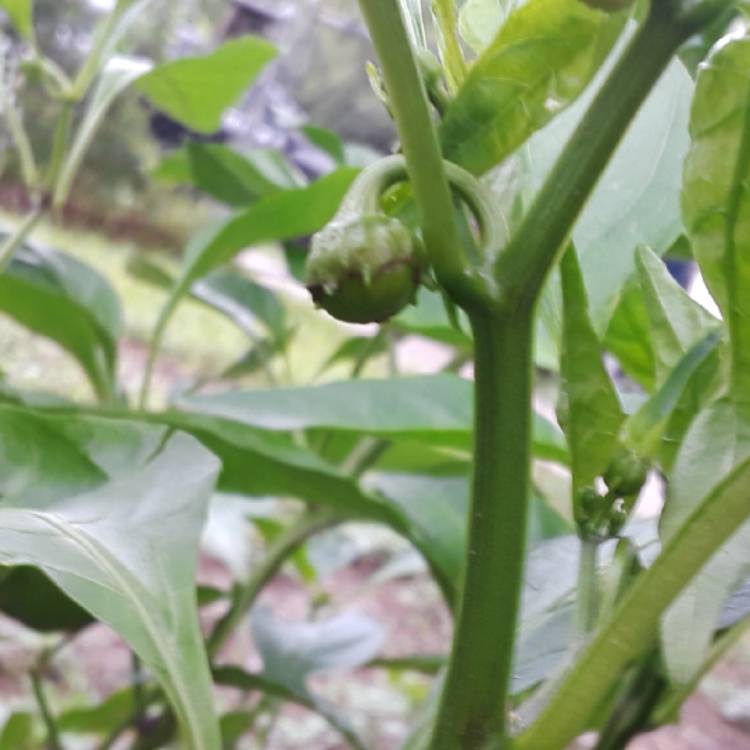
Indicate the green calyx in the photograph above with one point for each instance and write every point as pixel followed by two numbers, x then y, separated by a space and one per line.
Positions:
pixel 366 266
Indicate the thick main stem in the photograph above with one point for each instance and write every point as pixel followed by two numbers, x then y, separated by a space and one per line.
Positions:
pixel 473 704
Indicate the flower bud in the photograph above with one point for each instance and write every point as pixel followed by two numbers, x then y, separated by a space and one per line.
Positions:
pixel 626 474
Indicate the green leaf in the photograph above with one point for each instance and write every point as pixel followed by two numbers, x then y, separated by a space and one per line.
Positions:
pixel 227 175
pixel 285 215
pixel 197 90
pixel 105 545
pixel 716 195
pixel 677 322
pixel 628 337
pixel 21 14
pixel 326 140
pixel 656 429
pixel 540 61
pixel 118 74
pixel 262 464
pixel 27 595
pixel 637 199
pixel 435 408
pixel 18 733
pixel 590 411
pixel 292 651
pixel 100 719
pixel 61 298
pixel 436 509
pixel 717 442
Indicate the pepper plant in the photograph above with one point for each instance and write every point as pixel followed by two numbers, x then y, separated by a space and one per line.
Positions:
pixel 548 153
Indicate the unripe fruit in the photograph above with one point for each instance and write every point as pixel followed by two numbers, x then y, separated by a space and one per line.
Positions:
pixel 365 269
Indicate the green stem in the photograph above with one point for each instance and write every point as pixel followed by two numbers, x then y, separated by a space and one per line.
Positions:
pixel 60 143
pixel 587 604
pixel 634 624
pixel 155 347
pixel 310 524
pixel 21 141
pixel 472 711
pixel 11 244
pixel 524 264
pixel 450 47
pixel 53 736
pixel 409 105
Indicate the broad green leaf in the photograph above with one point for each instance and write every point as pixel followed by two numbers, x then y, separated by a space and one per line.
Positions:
pixel 716 443
pixel 21 14
pixel 541 60
pixel 118 74
pixel 716 194
pixel 436 408
pixel 628 337
pixel 227 175
pixel 61 298
pixel 197 90
pixel 637 199
pixel 589 411
pixel 633 625
pixel 285 215
pixel 436 509
pixel 105 545
pixel 677 322
pixel 292 651
pixel 18 733
pixel 653 431
pixel 27 595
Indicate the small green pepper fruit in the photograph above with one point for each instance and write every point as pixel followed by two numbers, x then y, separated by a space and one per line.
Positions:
pixel 364 269
pixel 626 474
pixel 609 6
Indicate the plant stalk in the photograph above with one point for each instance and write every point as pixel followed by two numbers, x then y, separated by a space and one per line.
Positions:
pixel 472 711
pixel 310 524
pixel 53 736
pixel 587 605
pixel 524 264
pixel 408 103
pixel 11 244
